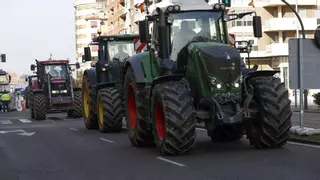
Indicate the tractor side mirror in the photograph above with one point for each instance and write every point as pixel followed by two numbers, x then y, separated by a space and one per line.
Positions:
pixel 33 67
pixel 78 65
pixel 9 79
pixel 26 79
pixel 257 27
pixel 143 31
pixel 87 54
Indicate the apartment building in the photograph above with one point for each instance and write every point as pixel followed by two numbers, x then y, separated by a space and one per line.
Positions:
pixel 279 25
pixel 86 26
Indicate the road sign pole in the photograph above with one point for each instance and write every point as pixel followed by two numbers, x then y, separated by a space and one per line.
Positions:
pixel 300 54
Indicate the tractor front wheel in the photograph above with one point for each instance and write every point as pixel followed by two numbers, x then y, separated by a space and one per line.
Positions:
pixel 139 127
pixel 110 110
pixel 173 118
pixel 271 128
pixel 77 111
pixel 39 106
pixel 89 104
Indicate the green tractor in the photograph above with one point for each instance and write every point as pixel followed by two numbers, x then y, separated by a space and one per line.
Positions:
pixel 191 75
pixel 102 85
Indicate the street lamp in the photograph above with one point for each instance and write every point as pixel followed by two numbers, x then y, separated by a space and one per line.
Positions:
pixel 245 47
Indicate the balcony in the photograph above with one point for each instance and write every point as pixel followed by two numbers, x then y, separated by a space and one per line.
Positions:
pixel 288 24
pixel 277 49
pixel 274 3
pixel 119 12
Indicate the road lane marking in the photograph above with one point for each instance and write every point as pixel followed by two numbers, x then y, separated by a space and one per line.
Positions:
pixel 107 140
pixel 5 122
pixel 170 161
pixel 25 120
pixel 73 129
pixel 306 145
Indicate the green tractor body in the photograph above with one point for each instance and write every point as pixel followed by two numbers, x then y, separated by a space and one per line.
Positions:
pixel 102 84
pixel 190 77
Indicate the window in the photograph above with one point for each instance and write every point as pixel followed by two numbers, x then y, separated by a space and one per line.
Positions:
pixel 302 12
pixel 94 24
pixel 93 35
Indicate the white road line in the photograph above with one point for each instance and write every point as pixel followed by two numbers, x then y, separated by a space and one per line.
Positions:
pixel 5 122
pixel 107 140
pixel 170 161
pixel 25 120
pixel 73 129
pixel 306 145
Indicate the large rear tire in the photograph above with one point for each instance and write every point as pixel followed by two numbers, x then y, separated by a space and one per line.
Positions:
pixel 173 117
pixel 271 129
pixel 40 106
pixel 77 111
pixel 89 104
pixel 139 127
pixel 110 110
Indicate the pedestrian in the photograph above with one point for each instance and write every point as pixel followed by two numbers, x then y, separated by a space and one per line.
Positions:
pixel 5 99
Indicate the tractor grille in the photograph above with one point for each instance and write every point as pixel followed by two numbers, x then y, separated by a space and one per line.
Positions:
pixel 57 86
pixel 222 62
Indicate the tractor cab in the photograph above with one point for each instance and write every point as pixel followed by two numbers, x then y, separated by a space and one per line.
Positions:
pixel 190 26
pixel 112 52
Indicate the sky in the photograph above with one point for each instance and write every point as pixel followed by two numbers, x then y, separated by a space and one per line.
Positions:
pixel 32 29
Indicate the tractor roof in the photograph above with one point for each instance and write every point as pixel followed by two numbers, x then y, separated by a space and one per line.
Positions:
pixel 185 5
pixel 118 37
pixel 46 62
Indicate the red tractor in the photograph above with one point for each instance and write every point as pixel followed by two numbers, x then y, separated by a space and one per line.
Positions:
pixel 54 90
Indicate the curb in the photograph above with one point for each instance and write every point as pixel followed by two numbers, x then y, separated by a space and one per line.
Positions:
pixel 303 141
pixel 290 139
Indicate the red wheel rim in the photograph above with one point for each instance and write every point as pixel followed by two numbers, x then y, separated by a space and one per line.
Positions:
pixel 159 121
pixel 132 113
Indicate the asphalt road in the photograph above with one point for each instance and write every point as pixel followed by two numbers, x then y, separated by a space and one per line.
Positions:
pixel 62 149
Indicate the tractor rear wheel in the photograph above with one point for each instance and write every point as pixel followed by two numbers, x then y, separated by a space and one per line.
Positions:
pixel 139 127
pixel 173 118
pixel 39 106
pixel 31 106
pixel 89 104
pixel 227 133
pixel 271 129
pixel 110 110
pixel 77 111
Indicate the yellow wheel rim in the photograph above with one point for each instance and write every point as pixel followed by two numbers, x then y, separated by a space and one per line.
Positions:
pixel 86 102
pixel 100 106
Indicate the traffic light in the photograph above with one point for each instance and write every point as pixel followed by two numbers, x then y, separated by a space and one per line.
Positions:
pixel 227 2
pixel 3 58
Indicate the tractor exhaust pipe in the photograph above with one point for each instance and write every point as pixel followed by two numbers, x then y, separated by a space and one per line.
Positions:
pixel 167 66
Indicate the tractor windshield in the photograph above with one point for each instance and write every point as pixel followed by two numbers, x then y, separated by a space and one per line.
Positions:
pixel 120 49
pixel 56 70
pixel 194 26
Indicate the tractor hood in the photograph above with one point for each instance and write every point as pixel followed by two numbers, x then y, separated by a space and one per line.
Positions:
pixel 58 80
pixel 217 60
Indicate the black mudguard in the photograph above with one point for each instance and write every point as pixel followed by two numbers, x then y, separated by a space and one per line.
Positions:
pixel 136 65
pixel 91 74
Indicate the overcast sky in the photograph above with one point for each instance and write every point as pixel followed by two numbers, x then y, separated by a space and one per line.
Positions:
pixel 32 29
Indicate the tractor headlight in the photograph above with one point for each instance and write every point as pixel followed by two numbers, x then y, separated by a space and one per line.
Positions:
pixel 57 92
pixel 103 69
pixel 219 86
pixel 236 85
